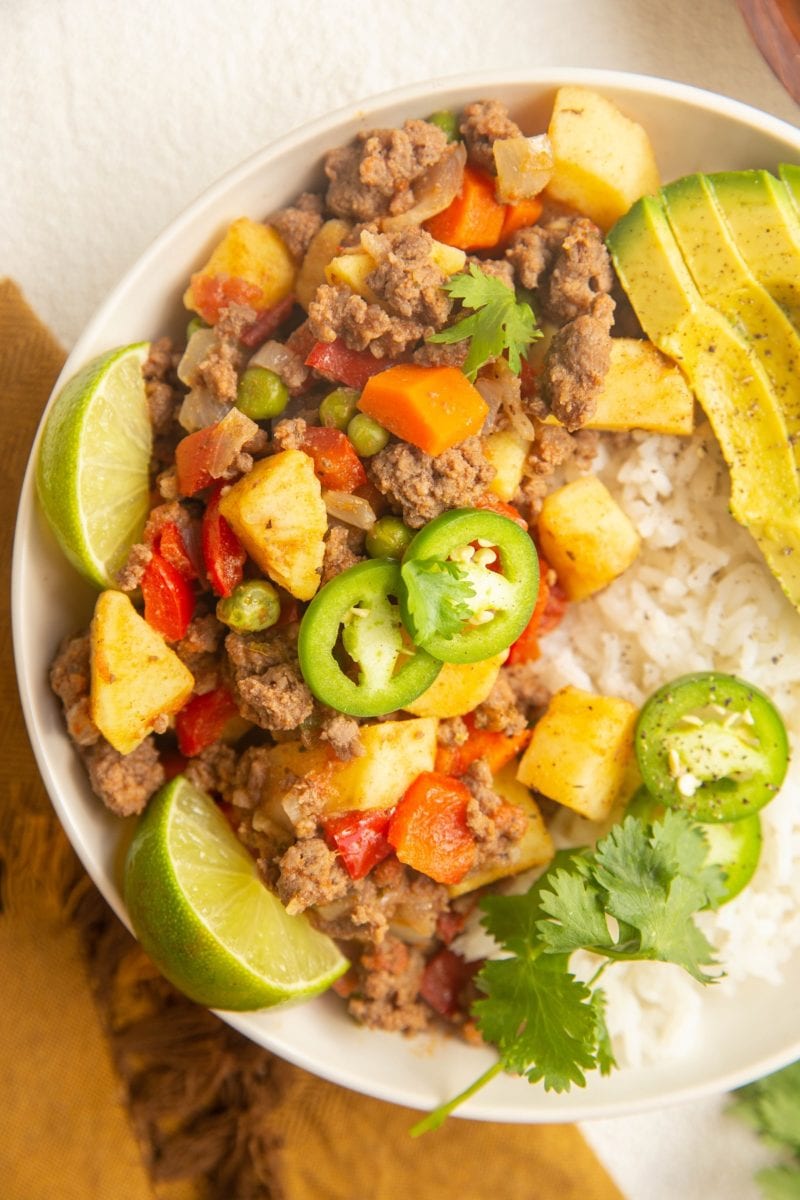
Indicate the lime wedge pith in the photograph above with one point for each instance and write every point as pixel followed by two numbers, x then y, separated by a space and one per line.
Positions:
pixel 92 471
pixel 204 916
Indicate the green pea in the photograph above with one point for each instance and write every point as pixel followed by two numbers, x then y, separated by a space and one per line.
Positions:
pixel 251 607
pixel 196 324
pixel 388 538
pixel 339 407
pixel 367 435
pixel 447 122
pixel 261 394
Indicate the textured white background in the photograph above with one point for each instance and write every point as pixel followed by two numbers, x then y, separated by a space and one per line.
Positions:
pixel 115 114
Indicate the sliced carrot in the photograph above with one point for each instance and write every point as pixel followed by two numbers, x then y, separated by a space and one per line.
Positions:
pixel 429 828
pixel 474 220
pixel 519 216
pixel 434 408
pixel 496 748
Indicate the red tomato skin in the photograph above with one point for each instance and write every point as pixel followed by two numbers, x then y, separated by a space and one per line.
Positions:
pixel 338 362
pixel 338 467
pixel 223 553
pixel 202 720
pixel 360 839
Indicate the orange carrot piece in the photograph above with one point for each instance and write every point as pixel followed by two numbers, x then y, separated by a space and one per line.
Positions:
pixel 429 828
pixel 474 220
pixel 520 215
pixel 434 408
pixel 495 747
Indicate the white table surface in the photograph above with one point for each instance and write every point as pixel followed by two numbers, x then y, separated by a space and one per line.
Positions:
pixel 114 115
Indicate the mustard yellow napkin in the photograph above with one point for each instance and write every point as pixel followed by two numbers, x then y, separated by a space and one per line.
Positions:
pixel 115 1087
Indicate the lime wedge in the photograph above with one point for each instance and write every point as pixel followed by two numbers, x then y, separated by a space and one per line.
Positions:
pixel 203 915
pixel 92 472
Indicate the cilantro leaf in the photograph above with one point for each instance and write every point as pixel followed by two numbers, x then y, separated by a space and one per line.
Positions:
pixel 437 595
pixel 772 1106
pixel 498 322
pixel 779 1183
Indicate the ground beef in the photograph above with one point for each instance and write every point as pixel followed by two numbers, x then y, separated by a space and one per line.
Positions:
pixel 163 395
pixel 452 731
pixel 406 280
pixel 129 576
pixel 576 363
pixel 343 735
pixel 482 124
pixel 167 484
pixel 390 894
pixel 339 554
pixel 441 354
pixel 304 804
pixel 496 825
pixel 374 175
pixel 277 699
pixel 337 313
pixel 199 651
pixel 580 272
pixel 298 224
pixel 213 769
pixel 70 680
pixel 498 268
pixel 499 711
pixel 310 874
pixel 218 371
pixel 423 486
pixel 533 249
pixel 289 434
pixel 530 694
pixel 387 988
pixel 124 782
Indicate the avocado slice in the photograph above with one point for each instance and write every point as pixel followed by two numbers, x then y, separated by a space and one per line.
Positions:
pixel 725 281
pixel 727 378
pixel 790 175
pixel 766 229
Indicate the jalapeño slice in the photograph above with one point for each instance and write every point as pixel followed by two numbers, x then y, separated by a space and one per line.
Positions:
pixel 353 652
pixel 711 745
pixel 471 578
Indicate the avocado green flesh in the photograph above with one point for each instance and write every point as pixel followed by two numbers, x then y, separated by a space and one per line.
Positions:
pixel 725 281
pixel 766 229
pixel 790 176
pixel 727 378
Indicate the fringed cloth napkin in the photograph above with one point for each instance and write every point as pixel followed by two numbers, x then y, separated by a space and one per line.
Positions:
pixel 116 1087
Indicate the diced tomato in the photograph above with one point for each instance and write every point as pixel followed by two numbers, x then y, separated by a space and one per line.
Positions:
pixel 168 598
pixel 338 362
pixel 557 604
pixel 266 323
pixel 551 604
pixel 444 980
pixel 192 457
pixel 429 828
pixel 223 553
pixel 212 293
pixel 336 463
pixel 172 546
pixel 496 748
pixel 360 838
pixel 449 925
pixel 495 504
pixel 202 720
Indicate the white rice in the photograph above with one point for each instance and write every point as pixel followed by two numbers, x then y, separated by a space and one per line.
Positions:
pixel 699 597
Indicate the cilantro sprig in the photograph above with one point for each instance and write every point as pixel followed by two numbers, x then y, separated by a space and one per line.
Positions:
pixel 545 1023
pixel 772 1106
pixel 498 322
pixel 437 596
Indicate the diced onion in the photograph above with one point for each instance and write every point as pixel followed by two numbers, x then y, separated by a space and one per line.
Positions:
pixel 524 167
pixel 200 409
pixel 232 433
pixel 353 510
pixel 434 191
pixel 276 357
pixel 197 349
pixel 501 391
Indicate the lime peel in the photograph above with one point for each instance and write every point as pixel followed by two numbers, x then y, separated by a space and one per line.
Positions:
pixel 202 913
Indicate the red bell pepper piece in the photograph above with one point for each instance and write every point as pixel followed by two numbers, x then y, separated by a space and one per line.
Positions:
pixel 172 546
pixel 168 598
pixel 360 838
pixel 192 457
pixel 551 604
pixel 429 828
pixel 444 980
pixel 495 747
pixel 338 362
pixel 223 554
pixel 266 323
pixel 495 504
pixel 202 720
pixel 336 463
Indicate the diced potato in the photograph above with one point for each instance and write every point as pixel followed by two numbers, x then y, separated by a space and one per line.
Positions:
pixel 586 537
pixel 351 270
pixel 135 676
pixel 579 752
pixel 277 512
pixel 395 753
pixel 458 688
pixel 603 161
pixel 449 259
pixel 506 450
pixel 325 245
pixel 524 167
pixel 252 253
pixel 642 390
pixel 535 847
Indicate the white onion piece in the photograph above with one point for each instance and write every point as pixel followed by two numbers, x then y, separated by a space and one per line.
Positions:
pixel 200 409
pixel 276 357
pixel 434 191
pixel 353 510
pixel 501 391
pixel 197 349
pixel 232 433
pixel 524 167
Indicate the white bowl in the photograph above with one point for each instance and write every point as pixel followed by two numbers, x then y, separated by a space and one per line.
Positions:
pixel 740 1038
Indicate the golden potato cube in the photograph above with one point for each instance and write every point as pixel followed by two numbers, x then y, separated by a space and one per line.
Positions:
pixel 277 512
pixel 586 537
pixel 325 245
pixel 254 253
pixel 449 259
pixel 535 847
pixel 395 752
pixel 603 161
pixel 351 270
pixel 506 450
pixel 458 688
pixel 579 751
pixel 135 676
